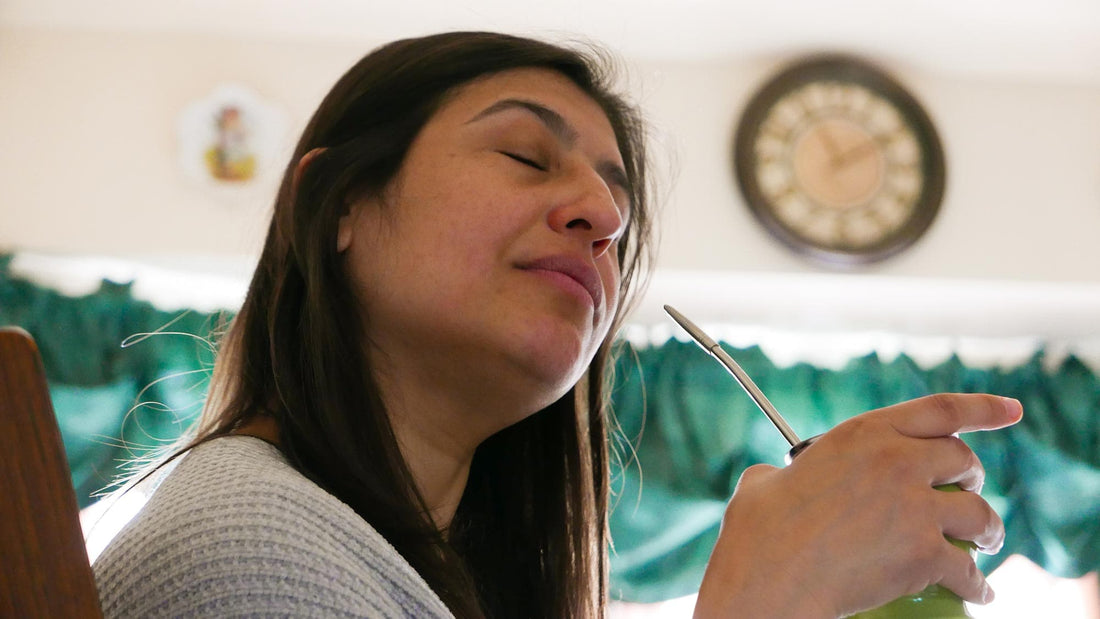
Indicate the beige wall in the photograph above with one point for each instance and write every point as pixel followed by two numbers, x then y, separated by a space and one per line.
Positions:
pixel 87 123
pixel 1023 194
pixel 88 159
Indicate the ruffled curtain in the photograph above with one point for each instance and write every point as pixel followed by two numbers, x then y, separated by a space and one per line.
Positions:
pixel 116 403
pixel 701 430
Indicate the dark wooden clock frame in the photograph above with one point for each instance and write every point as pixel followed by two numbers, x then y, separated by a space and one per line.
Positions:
pixel 849 70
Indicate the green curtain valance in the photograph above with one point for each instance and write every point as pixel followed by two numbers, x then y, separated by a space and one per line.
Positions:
pixel 700 430
pixel 113 404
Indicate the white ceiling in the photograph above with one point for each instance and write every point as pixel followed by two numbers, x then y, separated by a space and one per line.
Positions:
pixel 1055 40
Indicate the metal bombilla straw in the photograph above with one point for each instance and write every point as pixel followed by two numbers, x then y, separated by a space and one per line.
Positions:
pixel 934 600
pixel 712 348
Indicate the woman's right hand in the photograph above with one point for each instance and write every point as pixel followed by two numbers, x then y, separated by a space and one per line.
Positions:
pixel 855 521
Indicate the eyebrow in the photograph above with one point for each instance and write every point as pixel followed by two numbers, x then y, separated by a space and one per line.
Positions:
pixel 562 130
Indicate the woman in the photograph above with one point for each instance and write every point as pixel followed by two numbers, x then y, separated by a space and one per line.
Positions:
pixel 407 416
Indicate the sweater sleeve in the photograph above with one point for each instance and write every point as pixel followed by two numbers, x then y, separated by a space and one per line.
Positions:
pixel 231 536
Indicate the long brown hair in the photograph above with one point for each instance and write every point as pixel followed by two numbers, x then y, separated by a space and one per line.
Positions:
pixel 528 543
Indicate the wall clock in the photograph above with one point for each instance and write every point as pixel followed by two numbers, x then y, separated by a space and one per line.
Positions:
pixel 838 161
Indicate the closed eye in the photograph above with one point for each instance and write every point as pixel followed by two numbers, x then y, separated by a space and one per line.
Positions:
pixel 524 160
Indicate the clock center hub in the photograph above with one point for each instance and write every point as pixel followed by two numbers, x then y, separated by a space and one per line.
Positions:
pixel 838 163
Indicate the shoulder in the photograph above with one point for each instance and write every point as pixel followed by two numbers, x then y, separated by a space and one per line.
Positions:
pixel 235 528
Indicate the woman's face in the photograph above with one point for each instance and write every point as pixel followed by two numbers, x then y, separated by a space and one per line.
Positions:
pixel 490 262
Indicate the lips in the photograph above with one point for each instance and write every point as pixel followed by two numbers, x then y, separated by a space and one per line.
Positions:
pixel 576 269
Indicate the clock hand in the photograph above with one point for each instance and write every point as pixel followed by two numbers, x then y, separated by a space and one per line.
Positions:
pixel 853 154
pixel 832 149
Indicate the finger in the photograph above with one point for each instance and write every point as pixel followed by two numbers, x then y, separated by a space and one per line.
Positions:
pixel 943 414
pixel 961 575
pixel 951 461
pixel 966 516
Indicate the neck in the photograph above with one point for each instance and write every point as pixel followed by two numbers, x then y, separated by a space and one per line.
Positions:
pixel 438 461
pixel 439 464
pixel 441 411
pixel 438 418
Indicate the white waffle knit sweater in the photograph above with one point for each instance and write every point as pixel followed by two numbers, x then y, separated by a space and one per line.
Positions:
pixel 234 530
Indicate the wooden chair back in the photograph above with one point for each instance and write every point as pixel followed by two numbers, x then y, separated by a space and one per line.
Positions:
pixel 45 569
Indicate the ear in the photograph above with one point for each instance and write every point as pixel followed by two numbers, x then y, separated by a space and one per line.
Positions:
pixel 303 163
pixel 345 227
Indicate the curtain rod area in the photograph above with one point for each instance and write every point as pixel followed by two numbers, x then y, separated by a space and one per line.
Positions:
pixel 820 318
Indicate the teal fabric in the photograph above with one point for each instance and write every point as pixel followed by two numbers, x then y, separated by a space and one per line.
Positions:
pixel 113 404
pixel 700 431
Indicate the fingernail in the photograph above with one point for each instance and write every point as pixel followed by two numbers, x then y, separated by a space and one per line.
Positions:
pixel 987 594
pixel 1013 407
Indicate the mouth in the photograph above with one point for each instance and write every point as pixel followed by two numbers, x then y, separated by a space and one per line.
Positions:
pixel 578 271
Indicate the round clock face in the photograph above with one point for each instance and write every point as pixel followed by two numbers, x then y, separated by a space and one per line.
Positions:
pixel 839 162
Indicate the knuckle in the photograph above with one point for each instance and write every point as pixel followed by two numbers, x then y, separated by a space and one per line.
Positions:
pixel 854 426
pixel 757 470
pixel 925 552
pixel 869 434
pixel 974 578
pixel 970 459
pixel 968 466
pixel 973 574
pixel 962 576
pixel 982 523
pixel 754 474
pixel 946 403
pixel 993 536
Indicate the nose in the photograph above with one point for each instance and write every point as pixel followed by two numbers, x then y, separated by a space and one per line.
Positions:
pixel 585 208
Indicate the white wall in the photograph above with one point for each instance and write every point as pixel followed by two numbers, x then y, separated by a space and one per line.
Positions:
pixel 1023 191
pixel 88 127
pixel 88 164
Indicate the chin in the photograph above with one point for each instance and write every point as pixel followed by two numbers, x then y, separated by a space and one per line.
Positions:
pixel 558 360
pixel 552 392
pixel 555 348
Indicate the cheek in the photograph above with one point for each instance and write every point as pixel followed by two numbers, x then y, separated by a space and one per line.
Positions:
pixel 612 278
pixel 612 292
pixel 461 210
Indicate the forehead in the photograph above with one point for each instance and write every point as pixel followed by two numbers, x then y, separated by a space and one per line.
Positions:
pixel 544 86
